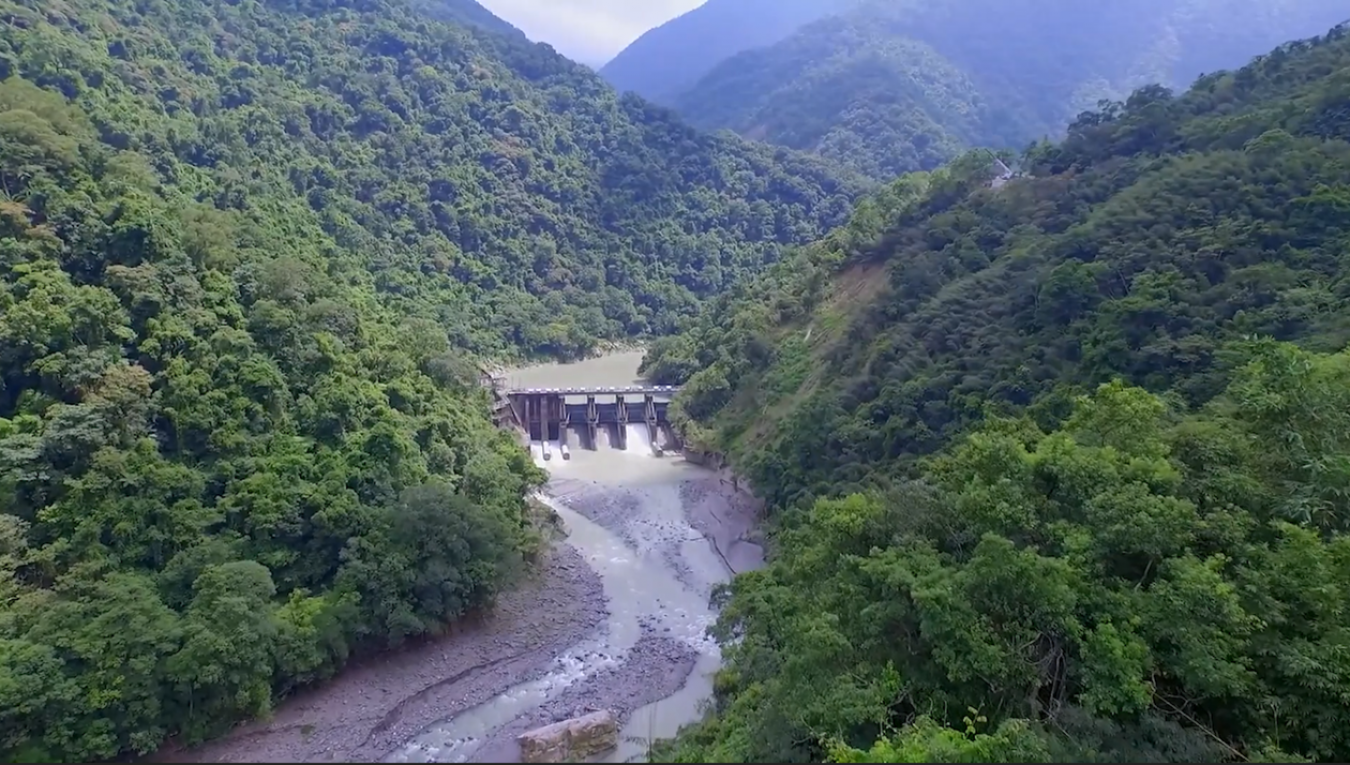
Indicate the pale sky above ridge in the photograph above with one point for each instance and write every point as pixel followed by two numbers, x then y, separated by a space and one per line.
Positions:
pixel 589 31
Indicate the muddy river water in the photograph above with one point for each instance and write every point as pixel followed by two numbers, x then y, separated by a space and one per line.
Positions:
pixel 614 618
pixel 661 536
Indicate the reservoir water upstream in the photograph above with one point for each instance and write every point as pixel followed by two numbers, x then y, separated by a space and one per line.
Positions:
pixel 661 533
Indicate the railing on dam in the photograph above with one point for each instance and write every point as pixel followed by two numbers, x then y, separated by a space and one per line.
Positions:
pixel 633 390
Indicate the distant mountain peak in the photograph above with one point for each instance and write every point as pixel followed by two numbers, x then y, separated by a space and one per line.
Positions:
pixel 669 58
pixel 891 86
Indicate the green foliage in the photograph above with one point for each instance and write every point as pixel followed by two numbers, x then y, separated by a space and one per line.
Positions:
pixel 249 253
pixel 1069 450
pixel 892 86
pixel 223 466
pixel 926 741
pixel 467 177
pixel 1094 575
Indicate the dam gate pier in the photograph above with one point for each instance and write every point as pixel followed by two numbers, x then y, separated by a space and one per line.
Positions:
pixel 557 416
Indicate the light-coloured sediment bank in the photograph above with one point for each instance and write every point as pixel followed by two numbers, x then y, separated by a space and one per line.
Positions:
pixel 614 618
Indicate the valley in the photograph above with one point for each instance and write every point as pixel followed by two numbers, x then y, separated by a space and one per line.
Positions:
pixel 993 401
pixel 613 618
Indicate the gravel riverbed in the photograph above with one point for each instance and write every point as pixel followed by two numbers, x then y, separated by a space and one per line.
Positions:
pixel 709 512
pixel 378 704
pixel 655 668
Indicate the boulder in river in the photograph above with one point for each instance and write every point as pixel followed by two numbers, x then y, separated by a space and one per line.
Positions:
pixel 570 740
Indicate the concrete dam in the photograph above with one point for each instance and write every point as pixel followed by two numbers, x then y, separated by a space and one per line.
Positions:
pixel 625 418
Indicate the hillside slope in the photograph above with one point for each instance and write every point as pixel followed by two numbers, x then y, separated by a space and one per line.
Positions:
pixel 487 179
pixel 851 87
pixel 956 311
pixel 668 59
pixel 469 13
pixel 977 508
pixel 888 87
pixel 249 252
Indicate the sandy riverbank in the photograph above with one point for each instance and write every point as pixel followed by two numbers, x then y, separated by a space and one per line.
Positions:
pixel 378 704
pixel 613 618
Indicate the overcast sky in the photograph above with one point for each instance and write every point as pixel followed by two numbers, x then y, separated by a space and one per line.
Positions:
pixel 589 31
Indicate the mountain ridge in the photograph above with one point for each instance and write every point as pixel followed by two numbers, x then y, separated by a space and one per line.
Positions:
pixel 252 255
pixel 654 65
pixel 886 87
pixel 1011 435
pixel 469 13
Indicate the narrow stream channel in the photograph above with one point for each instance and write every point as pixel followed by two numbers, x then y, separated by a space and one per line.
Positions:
pixel 631 517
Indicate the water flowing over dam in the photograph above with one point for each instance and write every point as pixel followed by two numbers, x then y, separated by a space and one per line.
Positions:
pixel 612 417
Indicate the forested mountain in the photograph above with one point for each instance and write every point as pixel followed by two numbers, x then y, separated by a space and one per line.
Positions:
pixel 469 13
pixel 490 181
pixel 248 253
pixel 889 86
pixel 670 58
pixel 855 88
pixel 1058 465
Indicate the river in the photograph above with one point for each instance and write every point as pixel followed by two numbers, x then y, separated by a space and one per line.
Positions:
pixel 661 532
pixel 613 617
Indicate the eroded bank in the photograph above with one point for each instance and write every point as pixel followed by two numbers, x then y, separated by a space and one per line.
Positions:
pixel 661 532
pixel 615 618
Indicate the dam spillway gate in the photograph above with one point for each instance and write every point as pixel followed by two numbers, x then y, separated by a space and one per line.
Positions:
pixel 556 416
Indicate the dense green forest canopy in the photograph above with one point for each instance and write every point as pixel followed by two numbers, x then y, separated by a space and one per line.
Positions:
pixel 250 253
pixel 892 86
pixel 223 468
pixel 473 178
pixel 1059 465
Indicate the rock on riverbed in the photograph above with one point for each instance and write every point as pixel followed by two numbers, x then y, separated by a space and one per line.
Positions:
pixel 654 669
pixel 571 740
